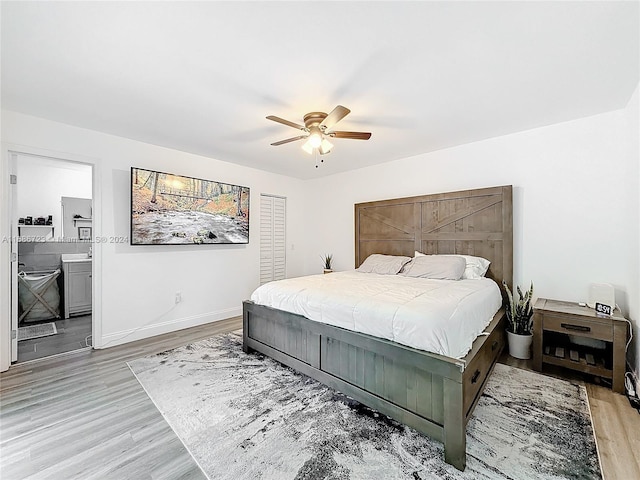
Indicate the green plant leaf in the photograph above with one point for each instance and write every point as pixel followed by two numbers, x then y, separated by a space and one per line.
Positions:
pixel 327 259
pixel 520 311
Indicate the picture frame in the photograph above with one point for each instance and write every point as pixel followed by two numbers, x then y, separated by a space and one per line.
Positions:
pixel 84 233
pixel 172 209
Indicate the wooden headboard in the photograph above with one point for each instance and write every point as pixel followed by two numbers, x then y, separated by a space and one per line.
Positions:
pixel 471 222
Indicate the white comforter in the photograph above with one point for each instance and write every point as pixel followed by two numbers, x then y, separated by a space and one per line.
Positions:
pixel 440 316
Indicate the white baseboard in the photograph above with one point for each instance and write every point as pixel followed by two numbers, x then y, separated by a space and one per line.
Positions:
pixel 146 331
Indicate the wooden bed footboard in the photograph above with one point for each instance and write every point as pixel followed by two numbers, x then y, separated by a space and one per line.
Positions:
pixel 432 393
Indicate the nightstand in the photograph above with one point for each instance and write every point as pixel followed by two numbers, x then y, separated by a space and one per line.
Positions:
pixel 570 336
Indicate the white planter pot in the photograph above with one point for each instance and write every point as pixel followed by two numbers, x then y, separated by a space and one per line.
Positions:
pixel 520 345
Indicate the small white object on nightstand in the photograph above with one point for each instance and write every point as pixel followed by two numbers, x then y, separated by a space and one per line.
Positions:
pixel 602 293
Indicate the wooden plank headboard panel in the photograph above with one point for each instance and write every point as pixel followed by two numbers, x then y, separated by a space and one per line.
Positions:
pixel 470 222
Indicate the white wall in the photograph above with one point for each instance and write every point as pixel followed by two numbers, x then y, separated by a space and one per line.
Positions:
pixel 139 282
pixel 43 182
pixel 575 202
pixel 633 127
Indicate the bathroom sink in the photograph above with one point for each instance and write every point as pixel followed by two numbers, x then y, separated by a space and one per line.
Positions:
pixel 75 257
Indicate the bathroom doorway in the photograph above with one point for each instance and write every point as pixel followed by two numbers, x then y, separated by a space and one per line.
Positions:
pixel 52 287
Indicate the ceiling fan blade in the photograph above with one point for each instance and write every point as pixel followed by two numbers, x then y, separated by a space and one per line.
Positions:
pixel 285 122
pixel 351 135
pixel 334 117
pixel 282 142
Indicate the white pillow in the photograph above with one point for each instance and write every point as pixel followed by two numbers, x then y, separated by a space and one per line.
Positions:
pixel 476 267
pixel 438 267
pixel 383 264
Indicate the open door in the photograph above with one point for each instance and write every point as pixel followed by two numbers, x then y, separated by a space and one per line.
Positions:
pixel 14 295
pixel 14 257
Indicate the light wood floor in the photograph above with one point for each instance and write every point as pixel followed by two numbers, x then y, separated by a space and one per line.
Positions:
pixel 84 415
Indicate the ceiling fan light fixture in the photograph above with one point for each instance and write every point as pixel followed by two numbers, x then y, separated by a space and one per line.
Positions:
pixel 325 146
pixel 315 138
pixel 307 147
pixel 318 127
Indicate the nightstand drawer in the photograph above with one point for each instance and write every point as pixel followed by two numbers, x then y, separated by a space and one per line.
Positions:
pixel 591 328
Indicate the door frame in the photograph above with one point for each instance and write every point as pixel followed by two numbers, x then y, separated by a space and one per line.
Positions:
pixel 8 224
pixel 13 283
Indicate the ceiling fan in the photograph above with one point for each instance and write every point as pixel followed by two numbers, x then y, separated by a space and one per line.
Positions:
pixel 317 127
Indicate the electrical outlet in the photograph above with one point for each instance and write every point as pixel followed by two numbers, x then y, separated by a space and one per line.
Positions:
pixel 178 297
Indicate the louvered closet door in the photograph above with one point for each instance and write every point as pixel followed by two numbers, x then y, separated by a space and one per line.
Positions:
pixel 272 238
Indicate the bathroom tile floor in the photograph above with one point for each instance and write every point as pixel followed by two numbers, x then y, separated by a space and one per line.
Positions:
pixel 73 333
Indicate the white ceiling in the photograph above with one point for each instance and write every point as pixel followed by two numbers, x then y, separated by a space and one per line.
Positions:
pixel 201 77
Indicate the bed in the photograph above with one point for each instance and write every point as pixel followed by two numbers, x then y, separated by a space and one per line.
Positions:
pixel 431 392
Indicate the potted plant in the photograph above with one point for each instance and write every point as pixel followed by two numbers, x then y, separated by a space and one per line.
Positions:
pixel 520 322
pixel 327 259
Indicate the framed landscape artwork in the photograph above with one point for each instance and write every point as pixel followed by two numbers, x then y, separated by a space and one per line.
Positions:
pixel 168 209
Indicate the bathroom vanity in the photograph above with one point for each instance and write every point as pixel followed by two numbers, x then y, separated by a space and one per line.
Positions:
pixel 76 268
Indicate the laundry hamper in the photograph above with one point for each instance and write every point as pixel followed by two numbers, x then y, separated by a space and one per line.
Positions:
pixel 38 295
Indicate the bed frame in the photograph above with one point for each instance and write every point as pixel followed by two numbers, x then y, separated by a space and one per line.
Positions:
pixel 432 393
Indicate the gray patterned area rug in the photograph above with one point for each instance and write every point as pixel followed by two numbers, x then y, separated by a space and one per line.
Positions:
pixel 248 417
